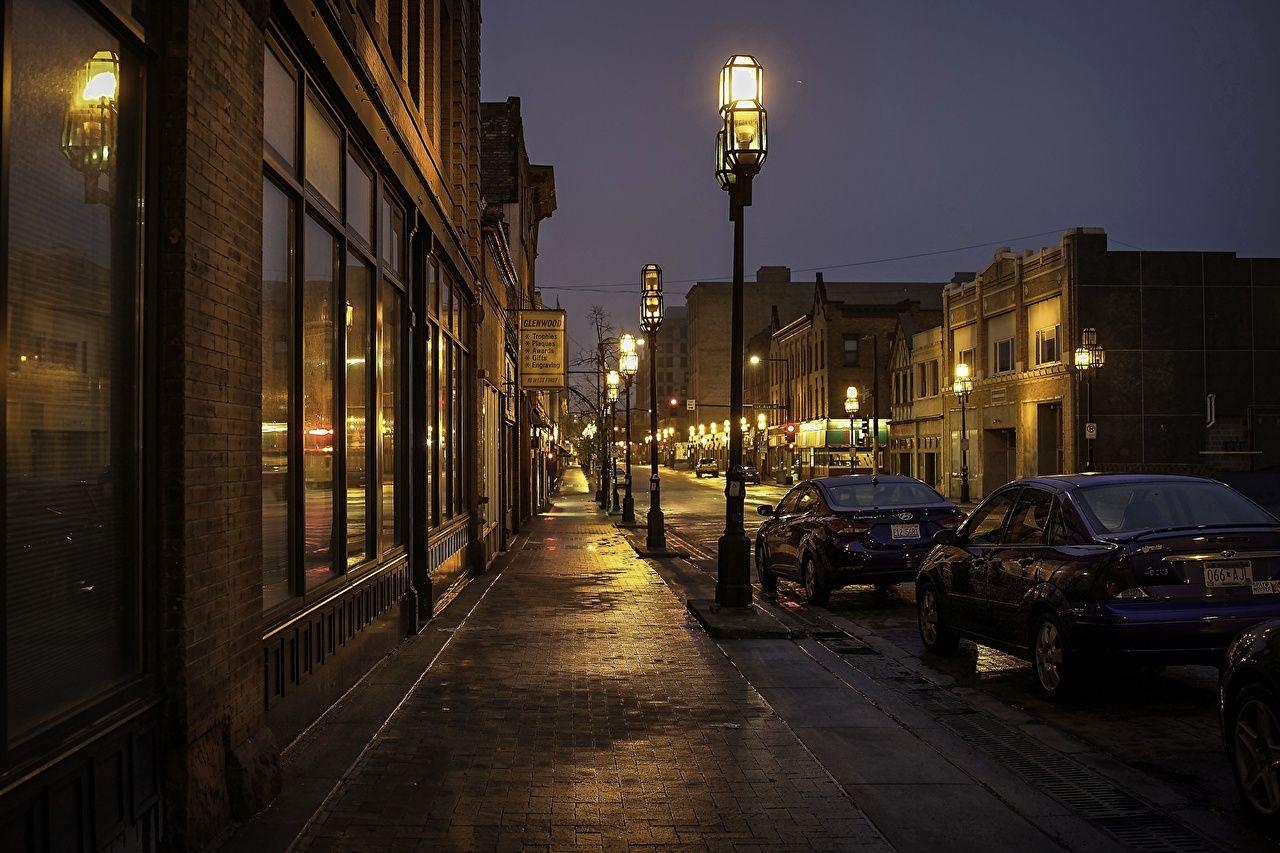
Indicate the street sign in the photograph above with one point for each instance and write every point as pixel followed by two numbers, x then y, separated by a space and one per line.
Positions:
pixel 691 404
pixel 1091 430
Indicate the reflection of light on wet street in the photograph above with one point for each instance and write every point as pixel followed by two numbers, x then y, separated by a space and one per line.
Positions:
pixel 992 663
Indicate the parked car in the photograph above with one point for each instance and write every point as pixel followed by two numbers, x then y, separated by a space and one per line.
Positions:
pixel 1070 570
pixel 830 532
pixel 707 465
pixel 1249 702
pixel 750 474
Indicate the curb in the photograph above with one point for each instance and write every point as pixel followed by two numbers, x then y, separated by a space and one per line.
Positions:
pixel 738 623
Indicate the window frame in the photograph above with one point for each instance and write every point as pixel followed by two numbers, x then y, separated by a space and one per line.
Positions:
pixel 997 368
pixel 1042 338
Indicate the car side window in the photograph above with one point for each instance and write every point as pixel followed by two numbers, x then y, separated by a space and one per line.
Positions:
pixel 807 499
pixel 987 521
pixel 1030 518
pixel 788 503
pixel 1065 526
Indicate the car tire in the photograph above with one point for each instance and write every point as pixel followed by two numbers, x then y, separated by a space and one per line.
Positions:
pixel 1052 660
pixel 768 580
pixel 816 592
pixel 936 636
pixel 1253 715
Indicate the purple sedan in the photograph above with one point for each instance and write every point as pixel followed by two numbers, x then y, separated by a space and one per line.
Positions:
pixel 1096 568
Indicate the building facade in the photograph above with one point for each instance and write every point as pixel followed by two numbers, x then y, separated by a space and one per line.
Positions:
pixel 260 425
pixel 1190 340
pixel 916 429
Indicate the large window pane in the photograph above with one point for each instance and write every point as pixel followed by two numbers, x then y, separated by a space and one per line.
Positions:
pixel 444 452
pixel 390 365
pixel 70 456
pixel 360 200
pixel 277 290
pixel 319 297
pixel 280 107
pixel 359 280
pixel 323 154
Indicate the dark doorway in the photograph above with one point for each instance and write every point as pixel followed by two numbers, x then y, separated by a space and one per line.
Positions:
pixel 1049 457
pixel 998 461
pixel 929 468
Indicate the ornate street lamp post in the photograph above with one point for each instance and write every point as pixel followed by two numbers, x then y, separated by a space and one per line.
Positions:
pixel 741 145
pixel 962 387
pixel 762 436
pixel 851 409
pixel 612 383
pixel 628 364
pixel 650 322
pixel 1089 356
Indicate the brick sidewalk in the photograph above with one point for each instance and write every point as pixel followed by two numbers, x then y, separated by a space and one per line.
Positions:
pixel 578 706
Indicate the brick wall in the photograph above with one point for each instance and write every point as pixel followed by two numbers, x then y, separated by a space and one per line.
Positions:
pixel 219 757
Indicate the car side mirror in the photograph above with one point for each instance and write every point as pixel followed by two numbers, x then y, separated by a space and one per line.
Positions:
pixel 764 509
pixel 946 536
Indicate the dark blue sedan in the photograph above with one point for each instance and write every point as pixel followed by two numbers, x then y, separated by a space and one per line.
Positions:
pixel 1095 568
pixel 830 532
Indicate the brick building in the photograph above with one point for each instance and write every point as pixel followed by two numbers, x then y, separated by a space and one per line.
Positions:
pixel 256 427
pixel 916 427
pixel 1191 340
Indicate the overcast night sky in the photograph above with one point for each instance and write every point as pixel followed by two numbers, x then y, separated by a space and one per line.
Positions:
pixel 895 128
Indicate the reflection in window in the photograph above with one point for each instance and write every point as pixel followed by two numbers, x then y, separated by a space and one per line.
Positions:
pixel 359 200
pixel 392 224
pixel 390 364
pixel 444 452
pixel 323 154
pixel 70 544
pixel 277 287
pixel 280 108
pixel 359 280
pixel 318 300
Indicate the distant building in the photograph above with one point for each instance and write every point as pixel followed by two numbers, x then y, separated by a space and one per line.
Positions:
pixel 1191 341
pixel 673 368
pixel 917 425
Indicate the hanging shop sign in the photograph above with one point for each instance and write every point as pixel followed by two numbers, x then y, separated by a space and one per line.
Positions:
pixel 542 350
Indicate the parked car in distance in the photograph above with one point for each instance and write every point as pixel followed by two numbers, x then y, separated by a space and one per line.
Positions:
pixel 750 474
pixel 1097 568
pixel 830 532
pixel 1249 703
pixel 707 465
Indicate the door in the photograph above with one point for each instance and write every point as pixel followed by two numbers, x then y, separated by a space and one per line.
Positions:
pixel 965 571
pixel 1012 569
pixel 998 463
pixel 796 524
pixel 775 533
pixel 1049 457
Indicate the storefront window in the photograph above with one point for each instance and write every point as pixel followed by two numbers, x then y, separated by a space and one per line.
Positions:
pixel 277 290
pixel 319 296
pixel 280 108
pixel 359 351
pixel 390 363
pixel 71 284
pixel 359 200
pixel 322 156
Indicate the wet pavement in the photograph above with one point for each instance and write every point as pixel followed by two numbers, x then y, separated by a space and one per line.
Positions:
pixel 578 706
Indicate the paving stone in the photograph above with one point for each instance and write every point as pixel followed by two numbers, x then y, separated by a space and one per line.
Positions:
pixel 576 708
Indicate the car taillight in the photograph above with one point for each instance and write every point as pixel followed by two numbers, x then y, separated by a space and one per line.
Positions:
pixel 952 521
pixel 844 526
pixel 1117 581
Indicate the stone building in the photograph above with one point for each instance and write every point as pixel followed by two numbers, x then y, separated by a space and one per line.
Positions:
pixel 248 445
pixel 917 427
pixel 1191 340
pixel 815 358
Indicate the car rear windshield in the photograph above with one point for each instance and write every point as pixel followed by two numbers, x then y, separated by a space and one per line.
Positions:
pixel 870 495
pixel 1131 507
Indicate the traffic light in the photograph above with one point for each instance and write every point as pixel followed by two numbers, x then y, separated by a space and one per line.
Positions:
pixel 674 403
pixel 791 433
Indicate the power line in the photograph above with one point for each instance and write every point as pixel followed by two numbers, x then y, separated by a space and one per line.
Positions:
pixel 611 288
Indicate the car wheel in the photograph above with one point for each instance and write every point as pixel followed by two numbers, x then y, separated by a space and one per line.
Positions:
pixel 768 580
pixel 815 591
pixel 1254 749
pixel 935 635
pixel 1051 658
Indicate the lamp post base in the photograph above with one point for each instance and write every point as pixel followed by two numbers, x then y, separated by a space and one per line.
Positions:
pixel 656 534
pixel 628 508
pixel 733 570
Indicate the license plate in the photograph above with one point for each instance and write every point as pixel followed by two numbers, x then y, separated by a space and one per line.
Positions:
pixel 1266 587
pixel 905 531
pixel 1227 573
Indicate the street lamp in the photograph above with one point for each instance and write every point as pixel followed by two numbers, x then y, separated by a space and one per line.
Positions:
pixel 962 387
pixel 850 409
pixel 1089 357
pixel 628 364
pixel 741 146
pixel 89 132
pixel 611 382
pixel 650 321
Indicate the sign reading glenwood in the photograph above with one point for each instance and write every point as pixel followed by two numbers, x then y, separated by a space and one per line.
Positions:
pixel 542 349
